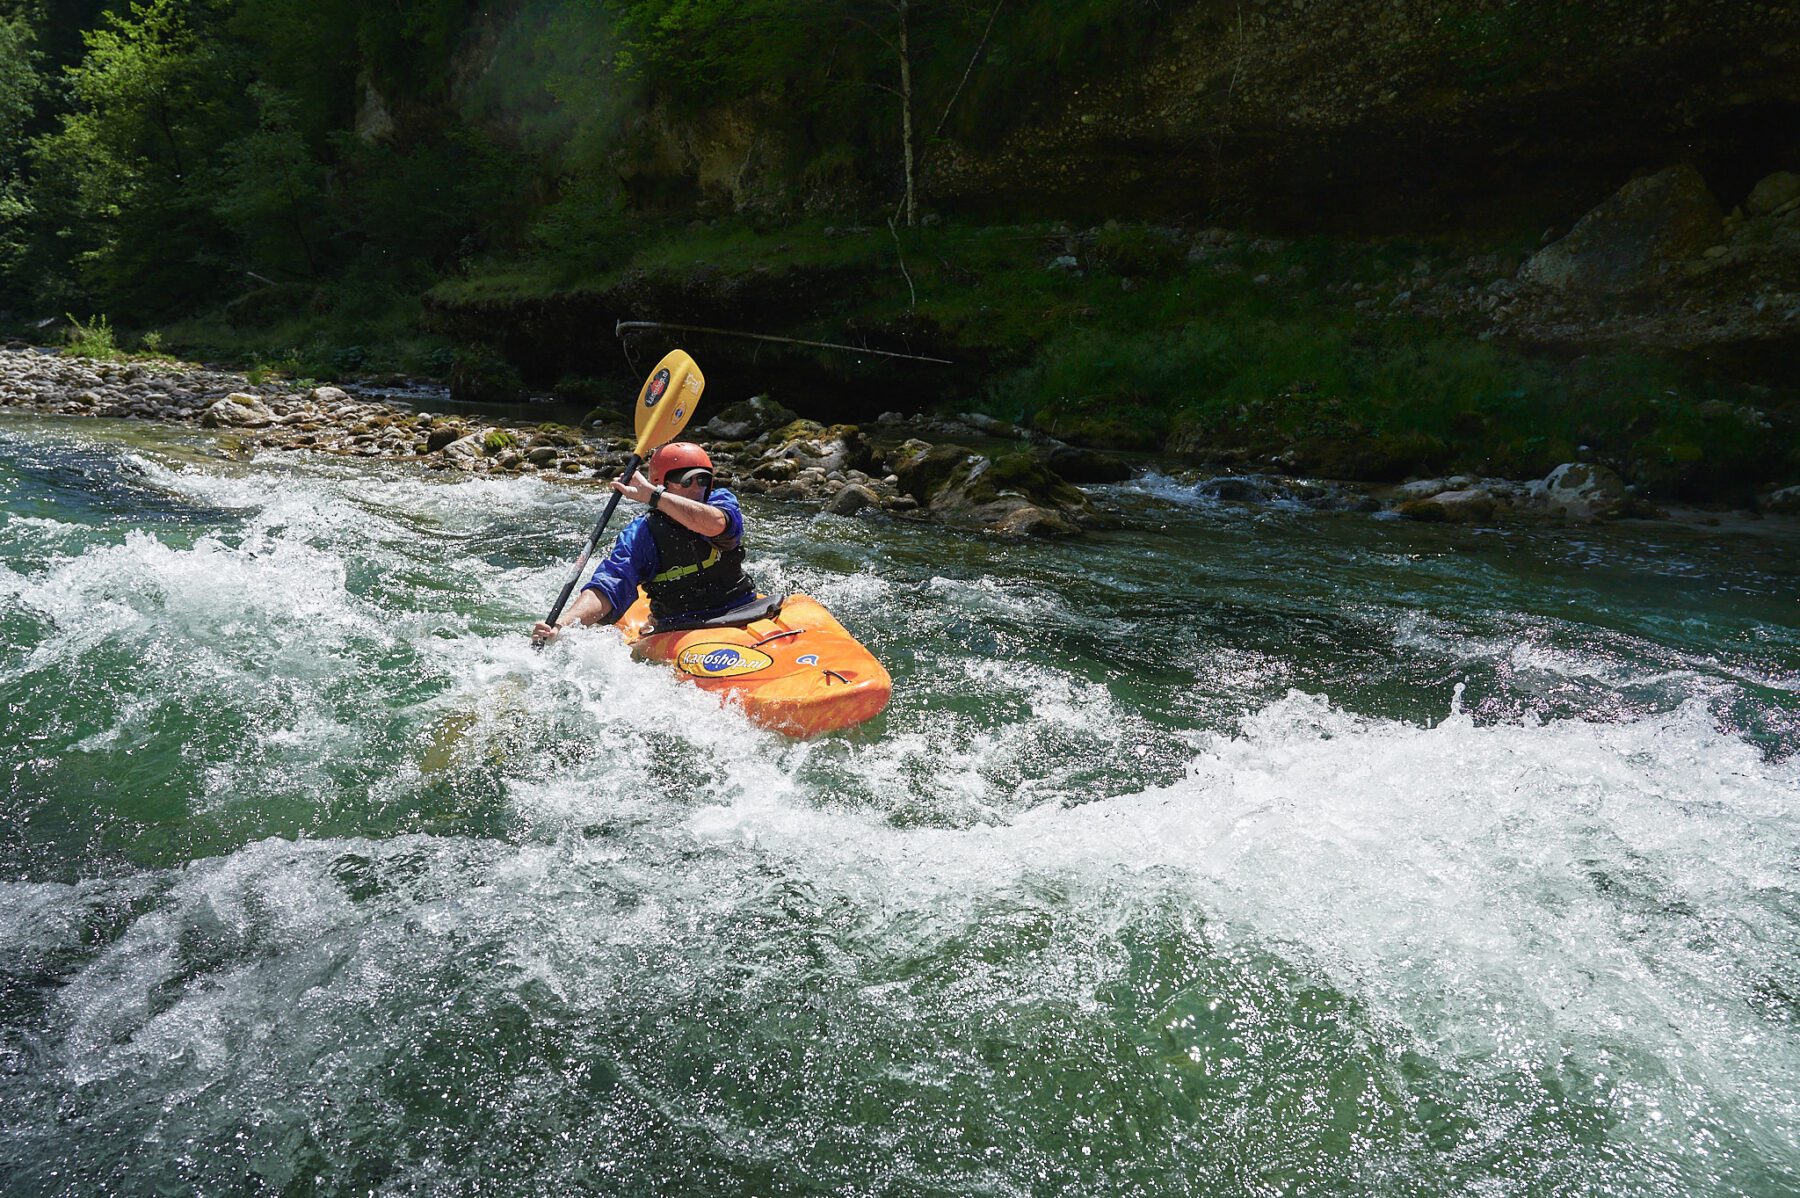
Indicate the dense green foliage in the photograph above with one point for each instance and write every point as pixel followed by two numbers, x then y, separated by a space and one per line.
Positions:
pixel 199 152
pixel 185 154
pixel 286 183
pixel 20 88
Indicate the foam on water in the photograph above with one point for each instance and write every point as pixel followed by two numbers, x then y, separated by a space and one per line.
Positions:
pixel 1063 921
pixel 1608 901
pixel 1594 913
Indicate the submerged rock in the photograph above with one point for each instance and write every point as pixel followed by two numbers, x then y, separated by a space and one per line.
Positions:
pixel 1453 507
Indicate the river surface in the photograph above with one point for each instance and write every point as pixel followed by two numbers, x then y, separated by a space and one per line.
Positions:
pixel 1244 851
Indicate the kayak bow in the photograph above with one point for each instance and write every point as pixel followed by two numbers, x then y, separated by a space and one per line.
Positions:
pixel 798 672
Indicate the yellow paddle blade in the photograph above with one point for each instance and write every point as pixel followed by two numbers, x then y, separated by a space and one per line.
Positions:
pixel 668 399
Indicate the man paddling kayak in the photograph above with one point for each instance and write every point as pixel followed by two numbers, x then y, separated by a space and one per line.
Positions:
pixel 686 551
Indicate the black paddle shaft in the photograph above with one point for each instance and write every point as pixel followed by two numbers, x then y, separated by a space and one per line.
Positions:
pixel 631 468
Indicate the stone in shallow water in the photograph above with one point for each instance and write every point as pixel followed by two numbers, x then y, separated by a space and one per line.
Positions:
pixel 238 411
pixel 852 499
pixel 1453 507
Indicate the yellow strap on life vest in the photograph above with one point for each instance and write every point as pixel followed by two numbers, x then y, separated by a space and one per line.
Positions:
pixel 670 575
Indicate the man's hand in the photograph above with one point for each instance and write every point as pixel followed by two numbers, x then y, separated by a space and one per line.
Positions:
pixel 589 606
pixel 637 488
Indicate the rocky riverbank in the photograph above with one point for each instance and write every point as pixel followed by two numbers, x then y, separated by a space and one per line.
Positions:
pixel 970 471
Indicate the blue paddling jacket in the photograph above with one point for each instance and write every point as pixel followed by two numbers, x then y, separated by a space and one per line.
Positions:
pixel 686 575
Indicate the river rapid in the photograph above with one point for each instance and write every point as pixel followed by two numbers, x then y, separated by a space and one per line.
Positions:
pixel 1242 851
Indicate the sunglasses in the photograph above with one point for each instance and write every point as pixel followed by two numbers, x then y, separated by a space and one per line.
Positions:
pixel 688 478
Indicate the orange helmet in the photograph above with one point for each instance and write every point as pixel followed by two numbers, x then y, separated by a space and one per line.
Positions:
pixel 677 456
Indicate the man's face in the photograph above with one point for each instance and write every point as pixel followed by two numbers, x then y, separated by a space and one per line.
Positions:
pixel 689 484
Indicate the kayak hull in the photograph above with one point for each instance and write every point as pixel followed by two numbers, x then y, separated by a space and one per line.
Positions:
pixel 798 672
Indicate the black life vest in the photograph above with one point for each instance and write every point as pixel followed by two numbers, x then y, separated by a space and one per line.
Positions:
pixel 693 574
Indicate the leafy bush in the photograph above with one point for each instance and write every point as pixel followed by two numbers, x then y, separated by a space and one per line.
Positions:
pixel 91 340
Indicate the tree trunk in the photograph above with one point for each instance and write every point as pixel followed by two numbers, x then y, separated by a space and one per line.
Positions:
pixel 906 114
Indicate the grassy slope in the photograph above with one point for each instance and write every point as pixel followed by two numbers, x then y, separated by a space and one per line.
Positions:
pixel 1248 349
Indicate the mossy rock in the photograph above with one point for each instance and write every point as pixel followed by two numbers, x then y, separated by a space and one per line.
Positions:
pixel 443 434
pixel 964 487
pixel 497 439
pixel 1023 474
pixel 795 430
pixel 557 434
pixel 604 418
pixel 922 468
pixel 1126 426
pixel 748 418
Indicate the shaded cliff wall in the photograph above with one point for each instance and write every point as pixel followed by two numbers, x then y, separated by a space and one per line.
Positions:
pixel 1373 116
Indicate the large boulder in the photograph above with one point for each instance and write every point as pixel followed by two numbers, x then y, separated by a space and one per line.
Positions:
pixel 922 468
pixel 1633 239
pixel 1016 493
pixel 809 444
pixel 238 411
pixel 1773 194
pixel 1784 502
pixel 1582 491
pixel 748 419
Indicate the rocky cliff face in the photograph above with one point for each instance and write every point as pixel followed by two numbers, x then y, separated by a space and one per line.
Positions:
pixel 1659 264
pixel 1342 116
pixel 1398 115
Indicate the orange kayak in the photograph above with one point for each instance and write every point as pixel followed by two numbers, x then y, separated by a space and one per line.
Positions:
pixel 798 672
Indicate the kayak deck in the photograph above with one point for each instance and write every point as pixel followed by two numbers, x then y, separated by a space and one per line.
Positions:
pixel 798 672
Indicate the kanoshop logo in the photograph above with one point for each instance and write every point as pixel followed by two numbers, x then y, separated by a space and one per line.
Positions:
pixel 722 661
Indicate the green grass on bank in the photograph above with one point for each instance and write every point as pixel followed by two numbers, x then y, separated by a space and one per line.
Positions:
pixel 318 333
pixel 1132 338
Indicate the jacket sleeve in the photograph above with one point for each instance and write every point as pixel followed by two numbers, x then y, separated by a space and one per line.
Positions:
pixel 631 560
pixel 726 502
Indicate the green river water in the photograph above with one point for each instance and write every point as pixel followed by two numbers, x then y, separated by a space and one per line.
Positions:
pixel 1243 851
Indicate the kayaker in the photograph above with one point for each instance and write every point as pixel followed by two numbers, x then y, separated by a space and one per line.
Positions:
pixel 686 551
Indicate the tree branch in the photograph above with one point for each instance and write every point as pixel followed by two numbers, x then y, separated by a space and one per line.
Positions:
pixel 969 70
pixel 900 253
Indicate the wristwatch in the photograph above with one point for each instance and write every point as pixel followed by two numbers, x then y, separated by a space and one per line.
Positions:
pixel 656 494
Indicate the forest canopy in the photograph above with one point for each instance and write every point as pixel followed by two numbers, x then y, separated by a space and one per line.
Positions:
pixel 159 157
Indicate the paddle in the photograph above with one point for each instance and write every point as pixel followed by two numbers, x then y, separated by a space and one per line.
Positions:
pixel 669 397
